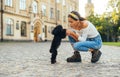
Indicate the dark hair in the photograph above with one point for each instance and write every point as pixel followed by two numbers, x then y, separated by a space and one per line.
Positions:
pixel 77 14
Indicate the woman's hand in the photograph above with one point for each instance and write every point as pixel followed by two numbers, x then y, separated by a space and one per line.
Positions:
pixel 68 32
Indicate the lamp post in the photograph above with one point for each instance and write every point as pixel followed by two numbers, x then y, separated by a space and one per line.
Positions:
pixel 1 20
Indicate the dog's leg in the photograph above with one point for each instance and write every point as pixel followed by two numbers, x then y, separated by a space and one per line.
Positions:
pixel 55 44
pixel 53 57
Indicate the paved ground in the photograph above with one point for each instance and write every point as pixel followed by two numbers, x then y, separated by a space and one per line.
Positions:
pixel 33 60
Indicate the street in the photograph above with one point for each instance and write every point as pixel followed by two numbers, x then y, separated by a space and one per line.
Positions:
pixel 29 59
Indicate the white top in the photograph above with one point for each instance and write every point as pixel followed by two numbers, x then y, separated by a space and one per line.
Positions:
pixel 89 32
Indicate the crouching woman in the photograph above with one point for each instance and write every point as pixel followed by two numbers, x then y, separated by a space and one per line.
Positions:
pixel 83 36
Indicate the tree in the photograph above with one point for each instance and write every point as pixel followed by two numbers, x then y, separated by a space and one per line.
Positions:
pixel 108 24
pixel 115 17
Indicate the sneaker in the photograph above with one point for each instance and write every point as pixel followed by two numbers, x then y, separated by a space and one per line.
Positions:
pixel 95 56
pixel 75 58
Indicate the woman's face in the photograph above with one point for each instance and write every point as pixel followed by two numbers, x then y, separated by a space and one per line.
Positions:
pixel 73 23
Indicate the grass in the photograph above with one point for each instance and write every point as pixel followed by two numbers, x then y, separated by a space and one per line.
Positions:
pixel 104 43
pixel 112 43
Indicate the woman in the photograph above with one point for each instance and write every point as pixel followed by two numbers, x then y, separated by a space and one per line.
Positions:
pixel 83 36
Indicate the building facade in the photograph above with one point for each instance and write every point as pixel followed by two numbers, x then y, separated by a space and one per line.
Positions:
pixel 26 19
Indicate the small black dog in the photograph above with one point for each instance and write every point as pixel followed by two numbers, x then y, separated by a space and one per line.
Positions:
pixel 59 33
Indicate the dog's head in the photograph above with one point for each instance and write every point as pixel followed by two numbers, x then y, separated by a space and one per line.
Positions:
pixel 59 31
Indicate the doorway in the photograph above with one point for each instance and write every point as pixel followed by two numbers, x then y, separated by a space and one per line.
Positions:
pixel 37 31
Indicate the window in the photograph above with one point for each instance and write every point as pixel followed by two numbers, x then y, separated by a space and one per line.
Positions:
pixel 9 26
pixel 51 13
pixel 22 4
pixel 64 2
pixel 17 25
pixel 23 28
pixel 58 15
pixel 58 1
pixel 8 2
pixel 43 10
pixel 34 5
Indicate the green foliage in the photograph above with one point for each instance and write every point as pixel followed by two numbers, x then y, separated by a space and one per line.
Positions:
pixel 108 24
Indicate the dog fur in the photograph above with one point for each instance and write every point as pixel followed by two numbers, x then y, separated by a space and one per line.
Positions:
pixel 59 33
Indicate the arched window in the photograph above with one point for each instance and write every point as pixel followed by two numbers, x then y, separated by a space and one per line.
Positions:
pixel 9 26
pixel 34 5
pixel 22 4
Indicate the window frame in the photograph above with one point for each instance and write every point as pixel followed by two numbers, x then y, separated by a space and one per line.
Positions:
pixel 22 4
pixel 9 3
pixel 24 28
pixel 35 7
pixel 44 9
pixel 51 13
pixel 9 27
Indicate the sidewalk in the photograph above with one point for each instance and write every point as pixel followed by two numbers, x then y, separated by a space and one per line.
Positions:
pixel 33 60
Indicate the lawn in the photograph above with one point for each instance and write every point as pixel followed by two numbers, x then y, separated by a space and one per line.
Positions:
pixel 112 43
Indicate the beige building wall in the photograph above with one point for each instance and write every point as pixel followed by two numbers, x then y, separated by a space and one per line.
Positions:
pixel 17 33
pixel 0 19
pixel 17 16
pixel 44 23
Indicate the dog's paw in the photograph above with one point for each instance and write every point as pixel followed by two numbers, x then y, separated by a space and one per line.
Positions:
pixel 53 61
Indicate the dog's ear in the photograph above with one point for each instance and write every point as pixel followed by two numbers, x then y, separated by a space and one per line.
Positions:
pixel 57 30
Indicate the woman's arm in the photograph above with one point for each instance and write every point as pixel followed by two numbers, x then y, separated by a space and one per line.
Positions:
pixel 77 37
pixel 72 34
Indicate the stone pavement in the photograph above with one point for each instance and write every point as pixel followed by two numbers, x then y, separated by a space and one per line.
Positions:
pixel 33 60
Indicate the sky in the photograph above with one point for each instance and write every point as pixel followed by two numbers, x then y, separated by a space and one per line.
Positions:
pixel 99 6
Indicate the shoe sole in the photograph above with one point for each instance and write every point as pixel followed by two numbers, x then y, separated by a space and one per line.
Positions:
pixel 77 60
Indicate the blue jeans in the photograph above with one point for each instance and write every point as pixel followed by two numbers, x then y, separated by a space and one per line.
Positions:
pixel 90 43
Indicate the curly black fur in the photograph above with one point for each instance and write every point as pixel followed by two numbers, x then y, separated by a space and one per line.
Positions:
pixel 59 33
